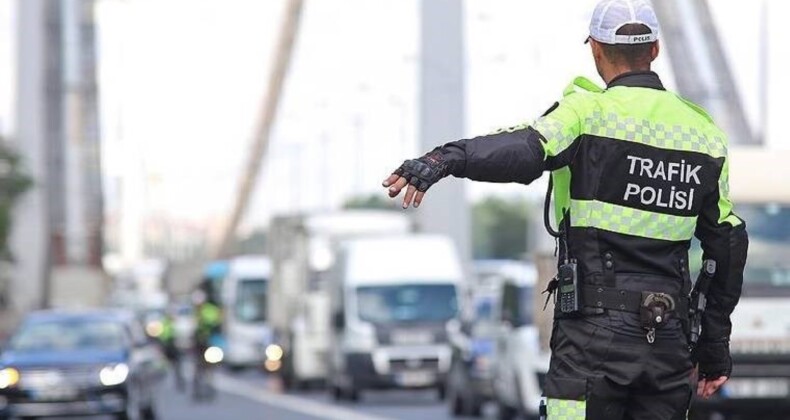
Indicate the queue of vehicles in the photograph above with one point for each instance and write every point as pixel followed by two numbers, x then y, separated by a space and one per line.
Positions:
pixel 326 306
pixel 330 308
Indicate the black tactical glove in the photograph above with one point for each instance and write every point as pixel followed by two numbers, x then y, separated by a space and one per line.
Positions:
pixel 425 171
pixel 713 359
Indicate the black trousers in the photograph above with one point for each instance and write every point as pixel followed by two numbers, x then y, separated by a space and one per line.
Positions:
pixel 603 368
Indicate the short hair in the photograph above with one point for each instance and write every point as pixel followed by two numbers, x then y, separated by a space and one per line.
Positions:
pixel 636 56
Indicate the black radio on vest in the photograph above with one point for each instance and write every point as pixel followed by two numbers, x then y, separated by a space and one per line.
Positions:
pixel 568 288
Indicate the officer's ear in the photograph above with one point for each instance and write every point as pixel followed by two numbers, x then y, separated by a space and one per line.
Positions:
pixel 597 51
pixel 654 50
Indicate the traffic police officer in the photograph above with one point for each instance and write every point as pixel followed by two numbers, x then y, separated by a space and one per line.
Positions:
pixel 208 318
pixel 637 171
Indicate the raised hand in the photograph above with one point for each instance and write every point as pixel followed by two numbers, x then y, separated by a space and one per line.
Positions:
pixel 419 175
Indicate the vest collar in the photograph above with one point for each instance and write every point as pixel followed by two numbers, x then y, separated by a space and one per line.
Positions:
pixel 640 78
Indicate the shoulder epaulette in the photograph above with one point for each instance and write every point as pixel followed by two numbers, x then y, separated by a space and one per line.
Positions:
pixel 582 83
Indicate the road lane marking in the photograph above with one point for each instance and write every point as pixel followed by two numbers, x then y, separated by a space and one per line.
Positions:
pixel 289 402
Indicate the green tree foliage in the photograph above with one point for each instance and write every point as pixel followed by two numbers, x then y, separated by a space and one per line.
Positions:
pixel 13 183
pixel 372 201
pixel 499 228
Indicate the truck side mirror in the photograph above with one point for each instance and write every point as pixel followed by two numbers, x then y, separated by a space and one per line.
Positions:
pixel 338 320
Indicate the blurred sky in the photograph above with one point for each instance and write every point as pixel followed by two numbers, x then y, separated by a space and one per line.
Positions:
pixel 182 82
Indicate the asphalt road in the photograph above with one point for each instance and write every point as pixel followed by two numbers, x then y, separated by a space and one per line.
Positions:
pixel 251 396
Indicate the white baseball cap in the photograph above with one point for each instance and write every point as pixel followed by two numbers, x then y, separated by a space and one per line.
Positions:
pixel 611 15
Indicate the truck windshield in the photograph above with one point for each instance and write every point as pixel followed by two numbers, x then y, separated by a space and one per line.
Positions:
pixel 251 300
pixel 768 264
pixel 407 303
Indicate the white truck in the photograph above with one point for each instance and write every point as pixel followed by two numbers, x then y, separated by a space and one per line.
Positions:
pixel 390 315
pixel 302 249
pixel 760 342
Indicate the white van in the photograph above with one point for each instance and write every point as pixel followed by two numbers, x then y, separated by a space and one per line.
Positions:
pixel 392 298
pixel 244 295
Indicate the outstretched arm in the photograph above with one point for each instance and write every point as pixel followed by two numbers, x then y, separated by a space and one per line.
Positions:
pixel 518 154
pixel 506 156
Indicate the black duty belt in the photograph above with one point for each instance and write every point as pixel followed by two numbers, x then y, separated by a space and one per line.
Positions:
pixel 602 297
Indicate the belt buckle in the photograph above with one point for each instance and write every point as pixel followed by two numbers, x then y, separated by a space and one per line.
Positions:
pixel 654 311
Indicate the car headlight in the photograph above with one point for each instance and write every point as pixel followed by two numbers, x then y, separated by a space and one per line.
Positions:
pixel 274 357
pixel 8 377
pixel 213 355
pixel 154 329
pixel 114 374
pixel 274 352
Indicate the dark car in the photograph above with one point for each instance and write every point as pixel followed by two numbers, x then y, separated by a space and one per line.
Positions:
pixel 77 364
pixel 469 382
